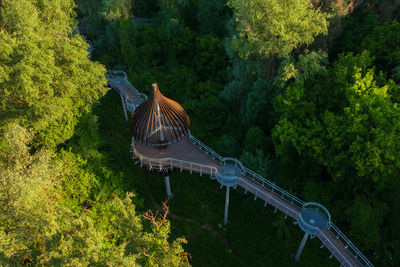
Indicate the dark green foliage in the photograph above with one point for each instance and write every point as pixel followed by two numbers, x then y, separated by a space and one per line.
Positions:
pixel 254 139
pixel 212 17
pixel 335 129
pixel 348 128
pixel 62 199
pixel 228 146
pixel 384 43
pixel 355 29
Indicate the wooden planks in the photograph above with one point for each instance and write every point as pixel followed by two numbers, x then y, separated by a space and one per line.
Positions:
pixel 132 96
pixel 334 245
pixel 270 197
pixel 184 150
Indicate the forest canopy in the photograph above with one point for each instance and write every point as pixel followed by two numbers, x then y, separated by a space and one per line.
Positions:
pixel 304 92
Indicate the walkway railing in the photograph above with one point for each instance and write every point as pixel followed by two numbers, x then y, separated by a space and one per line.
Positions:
pixel 273 188
pixel 268 185
pixel 273 201
pixel 350 246
pixel 255 178
pixel 173 163
pixel 343 259
pixel 113 78
pixel 200 145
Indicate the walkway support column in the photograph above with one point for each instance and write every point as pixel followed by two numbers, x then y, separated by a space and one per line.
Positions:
pixel 226 205
pixel 168 186
pixel 124 106
pixel 303 242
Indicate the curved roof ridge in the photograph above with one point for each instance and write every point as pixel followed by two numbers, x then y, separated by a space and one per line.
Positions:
pixel 159 121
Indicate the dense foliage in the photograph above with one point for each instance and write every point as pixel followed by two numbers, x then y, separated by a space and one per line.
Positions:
pixel 305 93
pixel 59 202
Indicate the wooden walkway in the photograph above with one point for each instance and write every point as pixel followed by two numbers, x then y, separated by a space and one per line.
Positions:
pixel 131 95
pixel 119 81
pixel 185 155
pixel 334 245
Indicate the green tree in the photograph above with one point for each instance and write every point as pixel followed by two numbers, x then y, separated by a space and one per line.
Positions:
pixel 254 139
pixel 384 43
pixel 212 16
pixel 36 225
pixel 117 9
pixel 46 78
pixel 347 127
pixel 267 28
pixel 305 67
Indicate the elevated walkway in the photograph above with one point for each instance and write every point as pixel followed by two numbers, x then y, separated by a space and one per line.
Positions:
pixel 192 155
pixel 131 98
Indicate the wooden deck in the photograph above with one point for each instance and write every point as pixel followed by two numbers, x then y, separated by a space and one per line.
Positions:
pixel 270 197
pixel 330 242
pixel 185 151
pixel 131 95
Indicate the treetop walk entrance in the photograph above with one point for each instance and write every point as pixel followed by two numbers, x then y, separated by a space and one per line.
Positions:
pixel 185 152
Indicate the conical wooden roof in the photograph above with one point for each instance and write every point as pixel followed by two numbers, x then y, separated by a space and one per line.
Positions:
pixel 159 120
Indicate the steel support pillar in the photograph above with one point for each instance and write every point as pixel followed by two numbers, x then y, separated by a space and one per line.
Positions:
pixel 124 106
pixel 168 186
pixel 303 242
pixel 226 205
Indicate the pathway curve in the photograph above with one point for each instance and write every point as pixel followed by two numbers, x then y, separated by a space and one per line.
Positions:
pixel 192 155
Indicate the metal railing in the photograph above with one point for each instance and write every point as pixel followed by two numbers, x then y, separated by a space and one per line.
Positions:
pixel 350 246
pixel 277 202
pixel 114 78
pixel 200 145
pixel 343 257
pixel 113 82
pixel 267 184
pixel 250 174
pixel 233 161
pixel 273 188
pixel 256 178
pixel 174 163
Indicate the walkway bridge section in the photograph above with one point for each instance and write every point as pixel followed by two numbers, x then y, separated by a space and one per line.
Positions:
pixel 131 98
pixel 194 156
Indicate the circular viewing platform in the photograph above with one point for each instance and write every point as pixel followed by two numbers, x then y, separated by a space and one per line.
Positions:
pixel 182 155
pixel 230 172
pixel 314 218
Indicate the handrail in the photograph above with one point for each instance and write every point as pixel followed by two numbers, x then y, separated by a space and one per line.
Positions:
pixel 336 249
pixel 117 86
pixel 144 96
pixel 213 170
pixel 350 246
pixel 113 75
pixel 265 183
pixel 200 145
pixel 273 187
pixel 236 162
pixel 319 206
pixel 261 181
pixel 116 73
pixel 268 196
pixel 250 174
